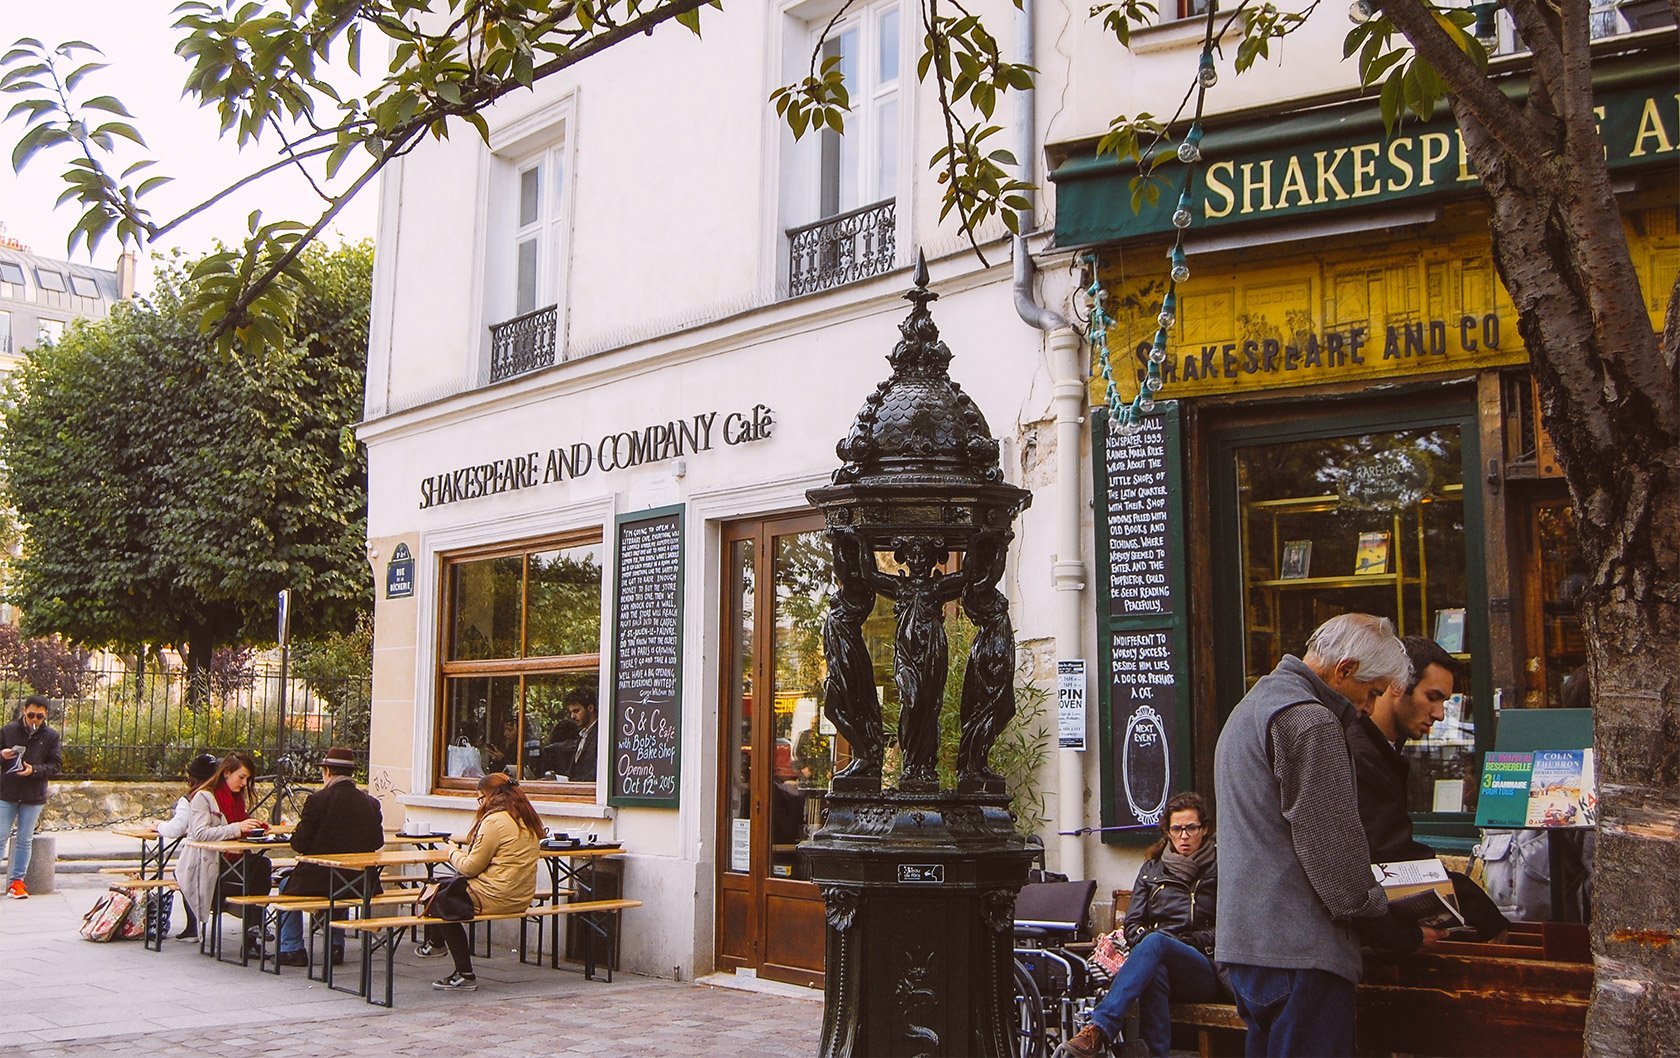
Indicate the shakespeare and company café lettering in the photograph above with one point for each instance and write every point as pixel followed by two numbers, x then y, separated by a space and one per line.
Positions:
pixel 620 450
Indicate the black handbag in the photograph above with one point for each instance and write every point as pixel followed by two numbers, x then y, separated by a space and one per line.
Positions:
pixel 448 900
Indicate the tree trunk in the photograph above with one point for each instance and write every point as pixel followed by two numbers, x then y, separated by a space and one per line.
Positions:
pixel 201 648
pixel 1609 396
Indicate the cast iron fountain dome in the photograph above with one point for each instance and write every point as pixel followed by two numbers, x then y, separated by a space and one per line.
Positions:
pixel 918 882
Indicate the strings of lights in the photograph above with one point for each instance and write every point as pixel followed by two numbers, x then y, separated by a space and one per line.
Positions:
pixel 1125 420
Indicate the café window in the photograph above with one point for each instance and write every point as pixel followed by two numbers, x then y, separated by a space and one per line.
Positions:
pixel 521 669
pixel 1363 522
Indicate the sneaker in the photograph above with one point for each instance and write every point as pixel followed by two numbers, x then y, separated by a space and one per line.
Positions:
pixel 457 982
pixel 1089 1043
pixel 18 891
pixel 430 951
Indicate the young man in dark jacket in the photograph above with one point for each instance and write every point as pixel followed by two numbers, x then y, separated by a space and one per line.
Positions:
pixel 1381 774
pixel 29 756
pixel 336 818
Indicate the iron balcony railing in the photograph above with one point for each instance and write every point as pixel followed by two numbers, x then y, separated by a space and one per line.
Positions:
pixel 524 344
pixel 842 249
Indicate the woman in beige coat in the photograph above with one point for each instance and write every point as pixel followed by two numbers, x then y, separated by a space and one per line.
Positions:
pixel 500 865
pixel 217 810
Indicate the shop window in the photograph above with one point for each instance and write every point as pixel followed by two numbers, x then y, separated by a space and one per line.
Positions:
pixel 521 669
pixel 1556 666
pixel 1363 523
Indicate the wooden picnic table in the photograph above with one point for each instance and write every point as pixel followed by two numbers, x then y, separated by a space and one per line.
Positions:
pixel 360 872
pixel 238 870
pixel 155 853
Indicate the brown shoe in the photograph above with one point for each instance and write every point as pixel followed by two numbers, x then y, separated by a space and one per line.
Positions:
pixel 1089 1043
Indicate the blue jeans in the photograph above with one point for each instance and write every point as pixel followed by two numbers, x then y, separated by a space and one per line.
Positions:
pixel 1294 1012
pixel 25 817
pixel 1159 970
pixel 291 932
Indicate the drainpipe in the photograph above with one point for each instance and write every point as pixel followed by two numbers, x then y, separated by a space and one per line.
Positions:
pixel 1064 352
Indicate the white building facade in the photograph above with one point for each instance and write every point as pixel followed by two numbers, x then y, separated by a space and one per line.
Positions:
pixel 613 348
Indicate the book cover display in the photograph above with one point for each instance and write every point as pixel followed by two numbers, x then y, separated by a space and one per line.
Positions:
pixel 1544 789
pixel 1297 560
pixel 1449 629
pixel 1372 556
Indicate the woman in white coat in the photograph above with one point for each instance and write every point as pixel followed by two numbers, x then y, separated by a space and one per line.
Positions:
pixel 199 769
pixel 218 810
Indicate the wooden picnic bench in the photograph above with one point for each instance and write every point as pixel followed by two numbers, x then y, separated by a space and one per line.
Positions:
pixel 386 932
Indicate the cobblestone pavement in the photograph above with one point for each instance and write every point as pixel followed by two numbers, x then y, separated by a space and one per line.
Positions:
pixel 65 996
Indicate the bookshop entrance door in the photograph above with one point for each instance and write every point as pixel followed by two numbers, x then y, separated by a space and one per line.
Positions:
pixel 777 751
pixel 1315 517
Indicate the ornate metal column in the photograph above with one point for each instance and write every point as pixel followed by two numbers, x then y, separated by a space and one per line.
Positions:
pixel 919 882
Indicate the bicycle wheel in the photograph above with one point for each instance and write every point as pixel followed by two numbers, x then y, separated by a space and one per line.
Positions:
pixel 1028 1024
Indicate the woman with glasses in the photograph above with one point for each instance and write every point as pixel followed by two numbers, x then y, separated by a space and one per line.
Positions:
pixel 500 865
pixel 1168 933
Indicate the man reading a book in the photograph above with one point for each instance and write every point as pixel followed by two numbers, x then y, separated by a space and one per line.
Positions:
pixel 1405 712
pixel 1286 787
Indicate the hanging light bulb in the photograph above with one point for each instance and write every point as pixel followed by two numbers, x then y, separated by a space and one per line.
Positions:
pixel 1169 310
pixel 1157 355
pixel 1153 383
pixel 1190 148
pixel 1182 216
pixel 1146 405
pixel 1180 266
pixel 1206 75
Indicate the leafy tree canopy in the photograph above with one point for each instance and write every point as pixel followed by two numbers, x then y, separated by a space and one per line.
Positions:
pixel 169 492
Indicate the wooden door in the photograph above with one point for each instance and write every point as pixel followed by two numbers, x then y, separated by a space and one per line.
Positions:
pixel 777 752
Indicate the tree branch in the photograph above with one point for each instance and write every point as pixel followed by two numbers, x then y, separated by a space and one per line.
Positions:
pixel 1480 97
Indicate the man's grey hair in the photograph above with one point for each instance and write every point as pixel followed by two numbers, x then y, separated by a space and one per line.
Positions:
pixel 1369 641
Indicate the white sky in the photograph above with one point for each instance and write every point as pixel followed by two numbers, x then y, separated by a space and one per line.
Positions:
pixel 146 74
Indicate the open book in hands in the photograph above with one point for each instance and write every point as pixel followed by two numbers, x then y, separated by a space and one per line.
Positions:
pixel 1420 890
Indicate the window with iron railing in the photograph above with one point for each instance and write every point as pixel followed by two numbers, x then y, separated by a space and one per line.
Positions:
pixel 850 182
pixel 524 344
pixel 842 249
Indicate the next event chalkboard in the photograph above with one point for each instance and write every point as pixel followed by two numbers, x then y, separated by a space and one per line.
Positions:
pixel 647 659
pixel 1142 677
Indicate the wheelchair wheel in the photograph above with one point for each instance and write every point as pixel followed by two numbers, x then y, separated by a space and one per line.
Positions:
pixel 1028 1024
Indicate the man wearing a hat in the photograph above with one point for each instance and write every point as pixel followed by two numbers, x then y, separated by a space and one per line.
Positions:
pixel 336 818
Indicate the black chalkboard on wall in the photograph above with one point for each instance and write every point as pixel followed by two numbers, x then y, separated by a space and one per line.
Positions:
pixel 1142 673
pixel 647 659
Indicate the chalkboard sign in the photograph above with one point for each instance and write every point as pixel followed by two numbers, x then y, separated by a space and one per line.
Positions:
pixel 1143 685
pixel 647 659
pixel 1138 489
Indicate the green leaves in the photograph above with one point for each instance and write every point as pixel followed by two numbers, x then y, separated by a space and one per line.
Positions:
pixel 817 101
pixel 1410 85
pixel 166 489
pixel 229 303
pixel 1119 18
pixel 46 82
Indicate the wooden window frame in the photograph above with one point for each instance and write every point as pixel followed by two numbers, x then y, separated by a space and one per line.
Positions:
pixel 518 667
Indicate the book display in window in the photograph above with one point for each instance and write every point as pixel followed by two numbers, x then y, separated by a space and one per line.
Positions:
pixel 1449 629
pixel 1372 556
pixel 1297 560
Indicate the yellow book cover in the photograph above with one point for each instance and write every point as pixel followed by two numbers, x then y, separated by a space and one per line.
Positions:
pixel 1372 556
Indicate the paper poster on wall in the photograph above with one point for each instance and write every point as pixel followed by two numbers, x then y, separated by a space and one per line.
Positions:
pixel 1070 703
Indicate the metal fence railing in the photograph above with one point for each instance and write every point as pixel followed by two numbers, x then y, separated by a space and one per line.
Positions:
pixel 145 725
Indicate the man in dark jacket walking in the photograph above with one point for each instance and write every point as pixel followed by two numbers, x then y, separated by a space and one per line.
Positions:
pixel 29 756
pixel 336 818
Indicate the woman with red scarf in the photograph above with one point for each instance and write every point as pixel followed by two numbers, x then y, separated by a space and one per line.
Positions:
pixel 218 809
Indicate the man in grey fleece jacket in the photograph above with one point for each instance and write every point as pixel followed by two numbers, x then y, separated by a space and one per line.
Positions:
pixel 1288 815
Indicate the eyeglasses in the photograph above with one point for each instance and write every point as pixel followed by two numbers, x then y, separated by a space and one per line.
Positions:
pixel 1185 828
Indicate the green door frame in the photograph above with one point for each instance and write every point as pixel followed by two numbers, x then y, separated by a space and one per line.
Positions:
pixel 1447 831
